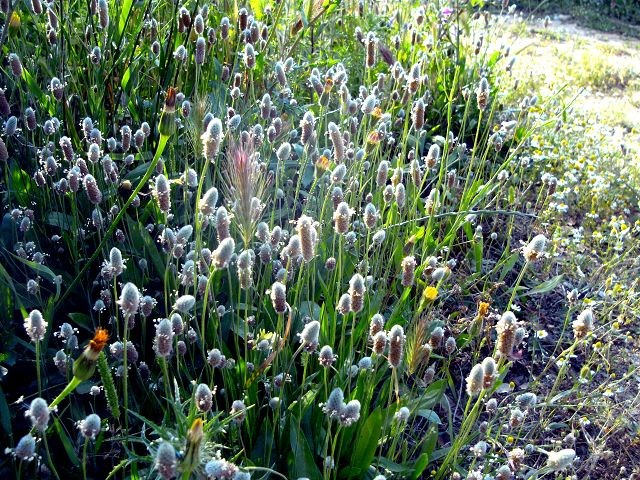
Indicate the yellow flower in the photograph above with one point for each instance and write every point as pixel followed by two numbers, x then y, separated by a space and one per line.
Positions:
pixel 14 23
pixel 430 294
pixel 483 309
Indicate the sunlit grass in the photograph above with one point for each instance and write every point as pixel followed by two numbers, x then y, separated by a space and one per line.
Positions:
pixel 319 242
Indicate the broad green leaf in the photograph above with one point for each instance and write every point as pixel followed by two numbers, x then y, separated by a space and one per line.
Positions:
pixel 257 8
pixel 66 442
pixel 7 278
pixel 557 426
pixel 547 286
pixel 495 56
pixel 430 415
pixel 84 387
pixel 21 185
pixel 125 11
pixel 508 266
pixel 306 401
pixel 421 464
pixel 81 320
pixel 5 415
pixel 401 469
pixel 143 241
pixel 430 440
pixel 430 396
pixel 302 462
pixel 34 88
pixel 125 79
pixel 6 232
pixel 366 443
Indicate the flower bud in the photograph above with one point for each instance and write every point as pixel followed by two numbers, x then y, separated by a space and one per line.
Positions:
pixel 222 255
pixel 350 413
pixel 535 249
pixel 334 405
pixel 506 328
pixel 474 380
pixel 90 427
pixel 165 462
pixel 15 64
pixel 342 217
pixel 129 299
pixel 396 346
pixel 103 14
pixel 482 94
pixel 408 271
pixel 417 114
pixel 35 325
pixel 583 324
pixel 490 372
pixel 326 356
pixel 203 398
pixel 222 224
pixel 370 216
pixel 337 141
pixel 561 460
pixel 357 290
pixel 278 297
pixel 163 342
pixel 185 303
pixel 239 410
pixel 308 237
pixel 201 46
pixel 167 118
pixel 162 193
pixel 309 335
pixel 26 448
pixel 39 414
pixel 344 304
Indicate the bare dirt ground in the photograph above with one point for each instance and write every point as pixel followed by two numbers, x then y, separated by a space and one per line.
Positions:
pixel 597 73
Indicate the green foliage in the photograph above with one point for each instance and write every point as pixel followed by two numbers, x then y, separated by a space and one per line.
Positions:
pixel 370 233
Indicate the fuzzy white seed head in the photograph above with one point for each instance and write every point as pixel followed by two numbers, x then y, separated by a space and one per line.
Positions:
pixel 129 299
pixel 35 326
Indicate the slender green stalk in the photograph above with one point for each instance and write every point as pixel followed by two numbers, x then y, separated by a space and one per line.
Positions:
pixel 125 373
pixel 67 390
pixel 38 374
pixel 84 458
pixel 49 458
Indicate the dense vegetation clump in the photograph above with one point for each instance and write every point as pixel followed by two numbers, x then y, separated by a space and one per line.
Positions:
pixel 290 240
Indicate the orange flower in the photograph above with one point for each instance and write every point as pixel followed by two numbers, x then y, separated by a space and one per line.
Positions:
pixel 323 163
pixel 170 100
pixel 85 364
pixel 99 340
pixel 374 137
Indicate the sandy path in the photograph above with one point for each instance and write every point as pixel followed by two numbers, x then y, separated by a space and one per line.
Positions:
pixel 601 69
